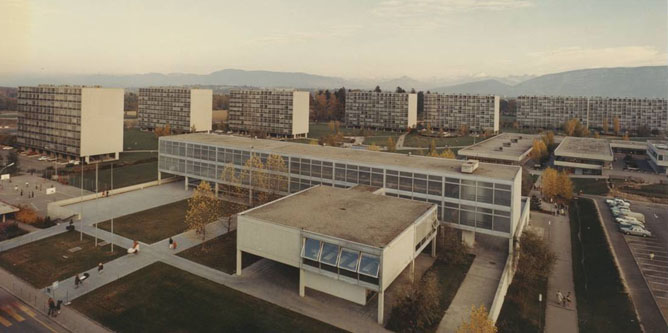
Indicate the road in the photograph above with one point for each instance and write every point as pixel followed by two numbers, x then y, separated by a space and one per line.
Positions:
pixel 16 316
pixel 631 264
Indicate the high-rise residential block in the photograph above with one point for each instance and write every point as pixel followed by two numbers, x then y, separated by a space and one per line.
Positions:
pixel 71 121
pixel 183 109
pixel 477 112
pixel 271 111
pixel 382 110
pixel 595 112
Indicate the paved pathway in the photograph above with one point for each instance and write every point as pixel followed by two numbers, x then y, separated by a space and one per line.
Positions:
pixel 478 288
pixel 557 233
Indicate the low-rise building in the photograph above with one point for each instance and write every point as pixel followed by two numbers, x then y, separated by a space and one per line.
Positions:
pixel 183 109
pixel 71 121
pixel 270 111
pixel 628 147
pixel 505 148
pixel 346 243
pixel 658 155
pixel 382 110
pixel 583 156
pixel 451 112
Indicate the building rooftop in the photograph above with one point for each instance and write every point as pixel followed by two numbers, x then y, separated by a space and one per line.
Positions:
pixel 6 208
pixel 659 145
pixel 507 146
pixel 628 144
pixel 356 216
pixel 433 165
pixel 585 148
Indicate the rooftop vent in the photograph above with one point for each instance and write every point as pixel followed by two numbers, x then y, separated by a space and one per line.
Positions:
pixel 499 148
pixel 506 144
pixel 513 140
pixel 520 137
pixel 470 166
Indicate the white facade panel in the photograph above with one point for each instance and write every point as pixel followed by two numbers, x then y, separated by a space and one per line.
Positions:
pixel 347 291
pixel 268 240
pixel 101 121
pixel 300 112
pixel 201 109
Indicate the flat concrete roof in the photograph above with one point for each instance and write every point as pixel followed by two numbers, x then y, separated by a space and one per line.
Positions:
pixel 356 216
pixel 435 165
pixel 507 146
pixel 628 144
pixel 585 148
pixel 6 208
pixel 658 145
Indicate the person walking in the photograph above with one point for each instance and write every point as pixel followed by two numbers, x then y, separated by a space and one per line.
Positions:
pixel 567 300
pixel 560 297
pixel 77 281
pixel 100 268
pixel 171 242
pixel 52 307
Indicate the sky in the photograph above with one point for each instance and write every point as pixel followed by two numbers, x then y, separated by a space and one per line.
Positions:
pixel 422 39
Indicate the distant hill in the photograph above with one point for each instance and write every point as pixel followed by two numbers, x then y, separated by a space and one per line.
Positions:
pixel 631 82
pixel 650 81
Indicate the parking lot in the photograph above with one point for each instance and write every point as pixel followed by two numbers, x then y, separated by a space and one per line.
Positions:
pixel 653 269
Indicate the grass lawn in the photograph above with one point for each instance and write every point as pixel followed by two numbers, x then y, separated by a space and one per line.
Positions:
pixel 380 140
pixel 123 176
pixel 135 139
pixel 648 190
pixel 42 262
pixel 416 140
pixel 151 225
pixel 603 304
pixel 161 298
pixel 9 230
pixel 318 130
pixel 590 186
pixel 219 253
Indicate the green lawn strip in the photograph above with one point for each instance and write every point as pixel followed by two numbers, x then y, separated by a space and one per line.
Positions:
pixel 151 225
pixel 590 186
pixel 219 253
pixel 380 140
pixel 648 190
pixel 161 298
pixel 123 176
pixel 417 140
pixel 603 304
pixel 9 230
pixel 42 262
pixel 135 139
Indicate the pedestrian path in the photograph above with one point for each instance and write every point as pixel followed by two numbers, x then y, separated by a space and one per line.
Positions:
pixel 478 288
pixel 32 237
pixel 557 233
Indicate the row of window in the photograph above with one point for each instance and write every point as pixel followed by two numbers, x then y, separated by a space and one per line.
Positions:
pixel 340 260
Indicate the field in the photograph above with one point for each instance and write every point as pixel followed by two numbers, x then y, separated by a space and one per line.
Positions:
pixel 603 304
pixel 151 225
pixel 42 262
pixel 161 298
pixel 318 130
pixel 219 253
pixel 647 190
pixel 135 139
pixel 590 186
pixel 123 176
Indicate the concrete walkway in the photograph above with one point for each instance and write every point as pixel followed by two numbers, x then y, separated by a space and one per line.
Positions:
pixel 557 233
pixel 478 288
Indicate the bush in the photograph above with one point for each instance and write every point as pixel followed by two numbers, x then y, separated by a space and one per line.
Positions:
pixel 10 230
pixel 419 308
pixel 26 215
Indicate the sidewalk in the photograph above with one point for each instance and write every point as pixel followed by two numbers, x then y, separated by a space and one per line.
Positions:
pixel 557 233
pixel 478 288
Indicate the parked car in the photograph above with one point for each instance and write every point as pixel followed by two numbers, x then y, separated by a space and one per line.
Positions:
pixel 636 231
pixel 73 162
pixel 7 147
pixel 629 221
pixel 42 158
pixel 638 216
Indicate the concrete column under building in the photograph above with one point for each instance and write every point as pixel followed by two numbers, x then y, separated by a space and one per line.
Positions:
pixel 468 237
pixel 381 306
pixel 215 189
pixel 116 155
pixel 238 272
pixel 433 245
pixel 186 183
pixel 302 287
pixel 413 270
pixel 159 177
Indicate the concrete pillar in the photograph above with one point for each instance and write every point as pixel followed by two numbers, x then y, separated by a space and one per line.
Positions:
pixel 185 185
pixel 433 244
pixel 302 287
pixel 412 270
pixel 468 237
pixel 238 263
pixel 381 306
pixel 215 189
pixel 3 217
pixel 87 159
pixel 159 177
pixel 116 155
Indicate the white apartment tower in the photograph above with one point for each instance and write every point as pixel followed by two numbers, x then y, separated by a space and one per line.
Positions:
pixel 451 112
pixel 271 111
pixel 71 121
pixel 382 110
pixel 181 108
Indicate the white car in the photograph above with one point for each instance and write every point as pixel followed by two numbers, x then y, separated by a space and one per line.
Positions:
pixel 74 162
pixel 636 231
pixel 7 147
pixel 42 158
pixel 631 221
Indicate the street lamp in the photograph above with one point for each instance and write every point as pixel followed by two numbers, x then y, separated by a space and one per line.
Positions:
pixel 6 166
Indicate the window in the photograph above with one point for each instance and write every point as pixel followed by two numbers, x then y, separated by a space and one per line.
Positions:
pixel 311 249
pixel 349 260
pixel 369 268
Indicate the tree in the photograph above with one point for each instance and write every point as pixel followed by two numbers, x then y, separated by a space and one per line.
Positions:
pixel 570 125
pixel 432 148
pixel 549 183
pixel 463 130
pixel 565 186
pixel 203 208
pixel 581 130
pixel 447 153
pixel 596 135
pixel 626 136
pixel 548 139
pixel 163 131
pixel 538 150
pixel 221 102
pixel 479 322
pixel 615 125
pixel 334 126
pixel 12 157
pixel 391 145
pixel 277 182
pixel 535 203
pixel 373 147
pixel 193 128
pixel 418 306
pixel 400 90
pixel 26 215
pixel 605 125
pixel 255 175
pixel 377 89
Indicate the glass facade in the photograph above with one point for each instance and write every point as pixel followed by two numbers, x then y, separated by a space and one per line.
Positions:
pixel 474 203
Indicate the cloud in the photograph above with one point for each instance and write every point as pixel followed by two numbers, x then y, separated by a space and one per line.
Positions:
pixel 568 58
pixel 429 8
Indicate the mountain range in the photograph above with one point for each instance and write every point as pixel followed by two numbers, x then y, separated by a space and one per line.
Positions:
pixel 649 81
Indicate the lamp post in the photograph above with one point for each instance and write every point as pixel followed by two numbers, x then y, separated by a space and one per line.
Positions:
pixel 6 166
pixel 540 312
